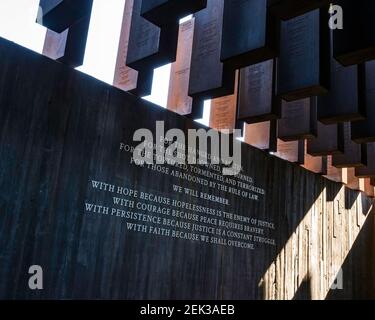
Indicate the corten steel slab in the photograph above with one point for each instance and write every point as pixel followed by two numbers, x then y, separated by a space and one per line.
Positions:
pixel 58 15
pixel 298 120
pixel 262 135
pixel 355 43
pixel 55 44
pixel 367 187
pixel 314 164
pixel 69 46
pixel 209 77
pixel 250 34
pixel 345 100
pixel 355 154
pixel 257 97
pixel 303 68
pixel 333 173
pixel 364 131
pixel 292 151
pixel 76 43
pixel 369 170
pixel 178 98
pixel 149 45
pixel 161 12
pixel 330 140
pixel 287 9
pixel 126 78
pixel 224 110
pixel 350 180
pixel 66 44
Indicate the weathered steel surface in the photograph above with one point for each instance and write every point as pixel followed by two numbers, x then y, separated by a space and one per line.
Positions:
pixel 368 171
pixel 209 77
pixel 126 78
pixel 315 164
pixel 262 135
pixel 257 93
pixel 161 12
pixel 355 155
pixel 330 140
pixel 69 46
pixel 59 15
pixel 178 97
pixel 304 56
pixel 250 34
pixel 287 9
pixel 345 100
pixel 150 46
pixel 355 43
pixel 223 113
pixel 298 120
pixel 364 131
pixel 292 151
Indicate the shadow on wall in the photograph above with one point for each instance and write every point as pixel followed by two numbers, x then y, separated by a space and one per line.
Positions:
pixel 357 272
pixel 335 233
pixel 304 291
pixel 355 280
